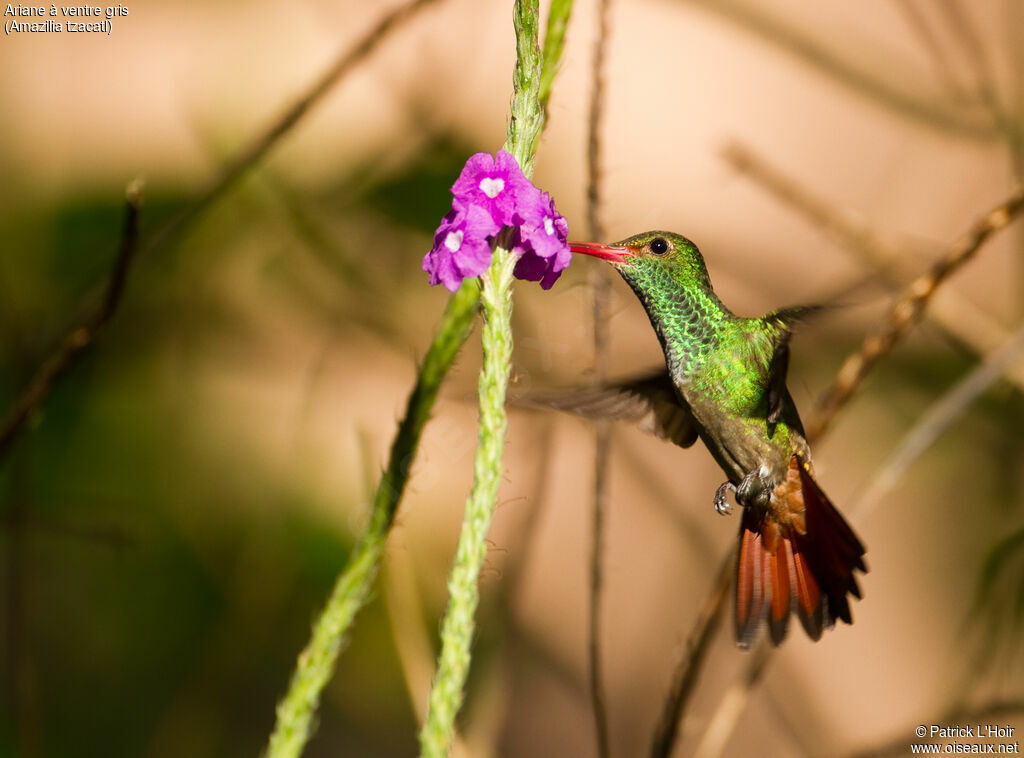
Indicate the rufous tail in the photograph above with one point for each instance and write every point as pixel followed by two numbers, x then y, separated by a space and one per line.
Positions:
pixel 798 555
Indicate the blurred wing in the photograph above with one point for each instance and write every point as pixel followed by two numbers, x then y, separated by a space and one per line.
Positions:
pixel 783 321
pixel 777 392
pixel 651 402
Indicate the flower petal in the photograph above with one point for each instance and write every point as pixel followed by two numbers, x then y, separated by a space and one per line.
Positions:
pixel 462 246
pixel 494 184
pixel 491 193
pixel 533 268
pixel 545 231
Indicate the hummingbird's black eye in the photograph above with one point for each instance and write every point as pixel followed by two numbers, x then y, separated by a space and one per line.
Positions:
pixel 659 246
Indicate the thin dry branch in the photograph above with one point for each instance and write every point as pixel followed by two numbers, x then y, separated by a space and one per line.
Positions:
pixel 907 311
pixel 905 101
pixel 594 227
pixel 91 531
pixel 1012 21
pixel 601 288
pixel 965 33
pixel 961 319
pixel 262 144
pixel 733 702
pixel 940 60
pixel 599 519
pixel 936 420
pixel 691 659
pixel 83 333
pixel 512 572
pixel 412 638
pixel 903 315
pixel 844 227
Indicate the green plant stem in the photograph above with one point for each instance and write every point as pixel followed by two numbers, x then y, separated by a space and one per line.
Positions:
pixel 459 624
pixel 554 44
pixel 527 119
pixel 316 663
pixel 76 341
pixel 463 595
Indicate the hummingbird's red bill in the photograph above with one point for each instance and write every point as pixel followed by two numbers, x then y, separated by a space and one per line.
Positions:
pixel 613 253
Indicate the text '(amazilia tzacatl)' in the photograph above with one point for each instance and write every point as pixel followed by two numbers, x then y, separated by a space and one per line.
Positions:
pixel 726 383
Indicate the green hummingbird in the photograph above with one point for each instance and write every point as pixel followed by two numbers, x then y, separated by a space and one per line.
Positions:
pixel 726 383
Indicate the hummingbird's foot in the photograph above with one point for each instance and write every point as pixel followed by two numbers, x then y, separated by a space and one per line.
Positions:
pixel 754 490
pixel 722 506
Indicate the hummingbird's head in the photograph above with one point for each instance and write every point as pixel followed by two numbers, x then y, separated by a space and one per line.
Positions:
pixel 653 263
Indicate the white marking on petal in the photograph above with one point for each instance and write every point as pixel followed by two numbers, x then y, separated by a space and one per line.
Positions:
pixel 549 226
pixel 453 241
pixel 492 187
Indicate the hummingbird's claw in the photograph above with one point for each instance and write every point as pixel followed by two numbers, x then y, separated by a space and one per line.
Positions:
pixel 754 490
pixel 722 506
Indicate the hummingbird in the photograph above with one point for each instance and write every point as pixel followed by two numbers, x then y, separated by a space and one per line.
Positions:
pixel 725 382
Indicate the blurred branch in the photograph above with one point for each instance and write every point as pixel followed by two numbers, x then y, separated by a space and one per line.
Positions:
pixel 1007 119
pixel 80 336
pixel 594 229
pixel 405 614
pixel 602 441
pixel 480 736
pixel 511 587
pixel 18 662
pixel 265 142
pixel 937 420
pixel 997 622
pixel 734 701
pixel 1013 24
pixel 846 227
pixel 412 641
pixel 902 316
pixel 964 32
pixel 329 275
pixel 752 18
pixel 919 26
pixel 554 44
pixel 524 540
pixel 907 311
pixel 85 332
pixel 316 662
pixel 688 669
pixel 87 531
pixel 959 317
pixel 601 293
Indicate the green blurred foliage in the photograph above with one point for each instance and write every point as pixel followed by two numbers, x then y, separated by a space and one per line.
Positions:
pixel 157 579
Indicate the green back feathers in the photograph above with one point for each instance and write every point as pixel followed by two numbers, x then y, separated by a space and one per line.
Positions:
pixel 725 358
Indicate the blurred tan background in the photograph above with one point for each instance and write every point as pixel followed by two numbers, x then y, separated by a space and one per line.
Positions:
pixel 174 517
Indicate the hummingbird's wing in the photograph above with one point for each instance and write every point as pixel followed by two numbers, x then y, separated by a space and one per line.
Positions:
pixel 782 322
pixel 777 391
pixel 650 401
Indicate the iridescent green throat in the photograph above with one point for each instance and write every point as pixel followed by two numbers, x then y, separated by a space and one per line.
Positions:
pixel 711 353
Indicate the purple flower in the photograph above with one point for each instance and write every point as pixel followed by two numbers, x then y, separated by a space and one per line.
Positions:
pixel 492 193
pixel 544 252
pixel 462 246
pixel 495 184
